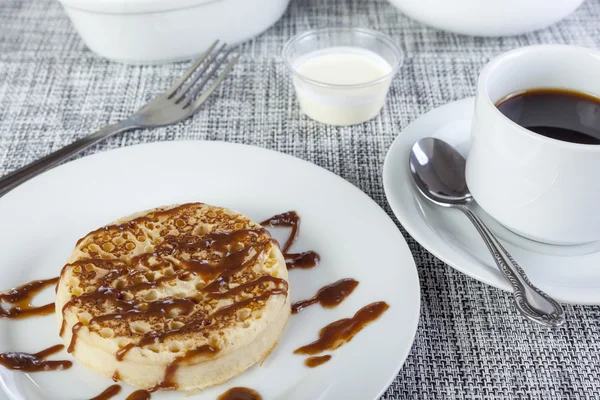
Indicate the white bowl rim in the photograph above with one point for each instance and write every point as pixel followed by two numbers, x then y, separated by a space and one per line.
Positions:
pixel 135 6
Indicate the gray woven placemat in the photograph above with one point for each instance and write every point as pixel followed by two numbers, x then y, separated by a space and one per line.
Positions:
pixel 471 344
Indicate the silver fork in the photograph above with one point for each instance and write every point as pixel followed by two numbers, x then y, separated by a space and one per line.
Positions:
pixel 177 103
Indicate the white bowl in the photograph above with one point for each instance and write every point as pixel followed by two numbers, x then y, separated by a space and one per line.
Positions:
pixel 487 17
pixel 158 31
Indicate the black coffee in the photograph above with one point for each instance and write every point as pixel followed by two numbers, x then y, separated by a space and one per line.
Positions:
pixel 555 113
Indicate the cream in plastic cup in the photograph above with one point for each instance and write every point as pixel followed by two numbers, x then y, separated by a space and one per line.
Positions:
pixel 342 75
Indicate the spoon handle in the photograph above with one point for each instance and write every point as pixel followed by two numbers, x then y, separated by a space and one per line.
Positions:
pixel 530 301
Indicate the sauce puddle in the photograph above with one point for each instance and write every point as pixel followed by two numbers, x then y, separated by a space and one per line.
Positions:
pixel 329 296
pixel 240 393
pixel 342 331
pixel 20 298
pixel 37 362
pixel 306 260
pixel 313 362
pixel 139 395
pixel 109 393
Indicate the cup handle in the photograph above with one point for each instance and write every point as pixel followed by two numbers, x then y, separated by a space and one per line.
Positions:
pixel 533 303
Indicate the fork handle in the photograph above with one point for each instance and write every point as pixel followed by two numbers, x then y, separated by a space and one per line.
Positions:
pixel 533 303
pixel 23 174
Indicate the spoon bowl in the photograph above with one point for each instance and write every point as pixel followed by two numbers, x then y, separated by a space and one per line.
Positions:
pixel 438 171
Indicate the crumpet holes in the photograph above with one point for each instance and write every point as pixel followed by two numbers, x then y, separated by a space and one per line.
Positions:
pixel 154 348
pixel 202 229
pixel 175 325
pixel 85 318
pixel 106 333
pixel 140 327
pixel 215 343
pixel 108 246
pixel 151 295
pixel 174 312
pixel 174 347
pixel 243 314
pixel 169 272
pixel 187 277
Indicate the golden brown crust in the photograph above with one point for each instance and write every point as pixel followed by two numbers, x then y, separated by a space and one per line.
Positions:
pixel 172 278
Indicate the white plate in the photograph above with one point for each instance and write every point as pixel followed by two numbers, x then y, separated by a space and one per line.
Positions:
pixel 569 273
pixel 42 219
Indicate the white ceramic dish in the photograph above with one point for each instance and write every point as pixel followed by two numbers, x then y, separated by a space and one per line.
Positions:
pixel 487 17
pixel 43 218
pixel 158 31
pixel 567 273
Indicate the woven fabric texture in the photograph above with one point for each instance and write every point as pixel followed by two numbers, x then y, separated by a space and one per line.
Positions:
pixel 471 343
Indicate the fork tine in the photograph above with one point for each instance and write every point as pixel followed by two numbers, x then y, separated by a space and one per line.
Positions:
pixel 200 72
pixel 193 93
pixel 173 88
pixel 198 102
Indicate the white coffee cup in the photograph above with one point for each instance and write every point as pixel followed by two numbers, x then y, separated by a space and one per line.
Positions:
pixel 541 188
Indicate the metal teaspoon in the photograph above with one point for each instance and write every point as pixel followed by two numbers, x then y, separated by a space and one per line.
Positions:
pixel 438 171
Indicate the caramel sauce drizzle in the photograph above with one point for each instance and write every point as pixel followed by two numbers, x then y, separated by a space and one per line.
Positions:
pixel 75 328
pixel 109 393
pixel 169 382
pixel 121 352
pixel 329 296
pixel 139 395
pixel 287 219
pixel 232 262
pixel 21 297
pixel 116 376
pixel 313 362
pixel 342 331
pixel 306 260
pixel 240 393
pixel 37 362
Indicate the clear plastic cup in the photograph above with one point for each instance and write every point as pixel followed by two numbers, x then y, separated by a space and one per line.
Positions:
pixel 326 99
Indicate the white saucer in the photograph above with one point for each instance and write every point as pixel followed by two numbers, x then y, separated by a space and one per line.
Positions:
pixel 569 273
